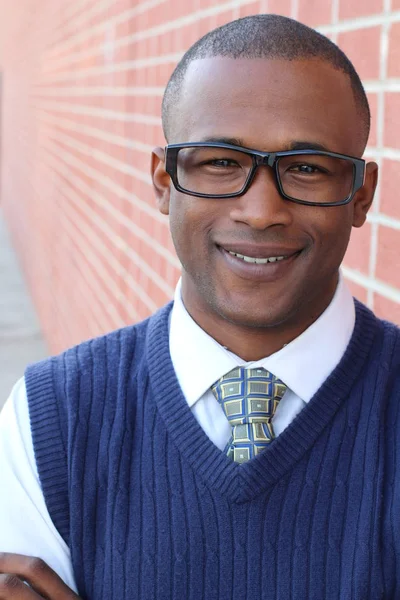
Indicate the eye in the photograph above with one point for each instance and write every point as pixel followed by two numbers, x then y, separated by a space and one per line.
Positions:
pixel 306 169
pixel 222 163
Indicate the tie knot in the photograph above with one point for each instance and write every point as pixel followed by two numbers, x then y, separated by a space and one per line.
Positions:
pixel 249 398
pixel 249 395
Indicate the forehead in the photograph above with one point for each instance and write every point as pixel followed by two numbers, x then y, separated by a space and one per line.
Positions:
pixel 267 103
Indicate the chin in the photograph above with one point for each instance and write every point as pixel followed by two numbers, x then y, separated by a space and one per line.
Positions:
pixel 253 319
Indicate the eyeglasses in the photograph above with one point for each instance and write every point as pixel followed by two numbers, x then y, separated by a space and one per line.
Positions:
pixel 216 170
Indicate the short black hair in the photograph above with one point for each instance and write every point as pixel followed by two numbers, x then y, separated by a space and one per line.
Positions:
pixel 264 36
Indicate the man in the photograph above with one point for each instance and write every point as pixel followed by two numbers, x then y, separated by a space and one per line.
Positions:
pixel 242 442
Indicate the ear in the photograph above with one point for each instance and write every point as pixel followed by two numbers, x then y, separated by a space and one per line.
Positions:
pixel 363 199
pixel 161 180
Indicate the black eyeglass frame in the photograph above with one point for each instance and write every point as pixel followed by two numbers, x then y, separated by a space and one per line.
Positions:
pixel 270 159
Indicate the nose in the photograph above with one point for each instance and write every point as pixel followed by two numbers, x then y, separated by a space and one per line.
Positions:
pixel 262 206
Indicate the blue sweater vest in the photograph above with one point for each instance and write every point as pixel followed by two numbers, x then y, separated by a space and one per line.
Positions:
pixel 152 510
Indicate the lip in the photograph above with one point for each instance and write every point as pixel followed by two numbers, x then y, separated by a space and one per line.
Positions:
pixel 266 273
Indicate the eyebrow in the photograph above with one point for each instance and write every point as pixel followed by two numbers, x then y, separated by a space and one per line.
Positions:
pixel 305 145
pixel 224 140
pixel 293 145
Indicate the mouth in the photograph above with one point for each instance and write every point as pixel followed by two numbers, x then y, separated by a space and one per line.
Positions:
pixel 259 264
pixel 255 260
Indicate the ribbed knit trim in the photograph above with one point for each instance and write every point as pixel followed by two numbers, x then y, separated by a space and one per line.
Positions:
pixel 49 445
pixel 243 482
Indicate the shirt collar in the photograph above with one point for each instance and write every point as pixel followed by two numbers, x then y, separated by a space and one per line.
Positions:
pixel 303 364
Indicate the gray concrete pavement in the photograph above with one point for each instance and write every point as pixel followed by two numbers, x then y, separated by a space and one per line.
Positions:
pixel 21 341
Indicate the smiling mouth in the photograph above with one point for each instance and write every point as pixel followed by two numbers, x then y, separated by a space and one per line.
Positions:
pixel 265 264
pixel 257 261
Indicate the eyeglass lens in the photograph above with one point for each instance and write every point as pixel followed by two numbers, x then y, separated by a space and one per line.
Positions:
pixel 219 171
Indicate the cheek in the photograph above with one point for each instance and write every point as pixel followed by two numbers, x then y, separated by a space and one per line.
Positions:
pixel 332 232
pixel 189 225
pixel 176 219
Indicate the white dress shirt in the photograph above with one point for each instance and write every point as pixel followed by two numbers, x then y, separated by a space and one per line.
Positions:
pixel 303 365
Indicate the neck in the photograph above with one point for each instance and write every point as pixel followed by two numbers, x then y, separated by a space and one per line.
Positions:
pixel 248 343
pixel 254 343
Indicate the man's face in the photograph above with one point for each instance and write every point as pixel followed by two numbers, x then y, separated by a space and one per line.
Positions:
pixel 267 105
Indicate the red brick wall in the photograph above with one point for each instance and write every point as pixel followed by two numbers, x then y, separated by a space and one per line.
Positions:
pixel 81 97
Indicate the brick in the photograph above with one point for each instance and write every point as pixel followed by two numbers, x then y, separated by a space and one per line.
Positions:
pixel 358 291
pixel 36 169
pixel 351 9
pixel 392 120
pixel 386 309
pixel 388 256
pixel 393 65
pixel 249 9
pixel 362 46
pixel 314 12
pixel 390 185
pixel 358 252
pixel 220 19
pixel 280 7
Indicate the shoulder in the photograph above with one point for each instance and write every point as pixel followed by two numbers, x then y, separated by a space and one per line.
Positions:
pixel 382 370
pixel 388 346
pixel 375 348
pixel 385 334
pixel 119 345
pixel 96 373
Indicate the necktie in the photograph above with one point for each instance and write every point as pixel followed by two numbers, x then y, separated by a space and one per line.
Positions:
pixel 249 398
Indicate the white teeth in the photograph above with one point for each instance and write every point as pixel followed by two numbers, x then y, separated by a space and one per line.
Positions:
pixel 258 261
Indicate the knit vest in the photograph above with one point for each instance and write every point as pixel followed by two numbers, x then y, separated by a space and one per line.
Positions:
pixel 152 510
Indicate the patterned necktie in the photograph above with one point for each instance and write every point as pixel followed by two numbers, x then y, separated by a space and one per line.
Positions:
pixel 249 398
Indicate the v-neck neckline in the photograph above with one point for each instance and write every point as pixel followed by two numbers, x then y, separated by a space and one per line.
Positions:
pixel 242 482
